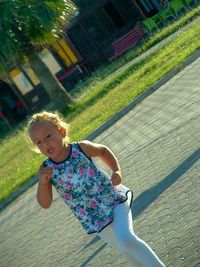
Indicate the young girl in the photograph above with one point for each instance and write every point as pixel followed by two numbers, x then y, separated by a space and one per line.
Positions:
pixel 101 203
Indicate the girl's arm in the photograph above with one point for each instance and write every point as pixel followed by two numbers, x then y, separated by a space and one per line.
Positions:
pixel 106 155
pixel 44 191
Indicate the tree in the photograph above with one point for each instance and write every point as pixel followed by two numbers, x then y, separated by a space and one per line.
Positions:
pixel 25 27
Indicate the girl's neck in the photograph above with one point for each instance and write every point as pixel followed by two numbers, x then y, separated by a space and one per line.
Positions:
pixel 64 154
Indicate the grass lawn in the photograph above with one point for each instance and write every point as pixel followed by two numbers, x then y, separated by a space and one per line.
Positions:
pixel 19 163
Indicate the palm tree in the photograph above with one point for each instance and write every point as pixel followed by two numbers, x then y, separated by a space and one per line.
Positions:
pixel 25 27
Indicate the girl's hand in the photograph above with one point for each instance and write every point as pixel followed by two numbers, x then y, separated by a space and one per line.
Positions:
pixel 45 174
pixel 116 178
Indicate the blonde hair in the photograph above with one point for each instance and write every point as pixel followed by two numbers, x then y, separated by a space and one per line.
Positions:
pixel 56 119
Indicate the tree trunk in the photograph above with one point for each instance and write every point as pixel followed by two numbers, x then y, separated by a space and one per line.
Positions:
pixel 54 88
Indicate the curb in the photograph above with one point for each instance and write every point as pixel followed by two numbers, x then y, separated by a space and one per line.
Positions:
pixel 109 122
pixel 23 188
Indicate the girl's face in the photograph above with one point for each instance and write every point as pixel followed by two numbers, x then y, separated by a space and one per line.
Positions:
pixel 49 140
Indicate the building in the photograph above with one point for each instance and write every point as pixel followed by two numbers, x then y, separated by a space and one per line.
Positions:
pixel 99 23
pixel 21 92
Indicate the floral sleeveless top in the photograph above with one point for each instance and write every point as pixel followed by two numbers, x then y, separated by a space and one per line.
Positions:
pixel 87 190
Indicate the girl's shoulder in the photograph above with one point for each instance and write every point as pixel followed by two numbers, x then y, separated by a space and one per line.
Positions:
pixel 83 146
pixel 92 149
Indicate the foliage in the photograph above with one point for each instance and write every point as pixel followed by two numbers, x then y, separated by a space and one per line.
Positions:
pixel 25 23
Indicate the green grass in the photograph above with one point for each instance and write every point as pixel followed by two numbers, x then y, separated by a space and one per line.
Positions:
pixel 19 163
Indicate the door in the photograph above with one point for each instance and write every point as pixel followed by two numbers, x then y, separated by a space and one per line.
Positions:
pixel 86 46
pixel 114 14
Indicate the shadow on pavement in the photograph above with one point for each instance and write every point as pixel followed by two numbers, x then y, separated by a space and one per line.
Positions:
pixel 93 241
pixel 147 197
pixel 93 255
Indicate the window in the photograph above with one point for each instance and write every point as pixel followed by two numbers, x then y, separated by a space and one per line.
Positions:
pixel 149 7
pixel 114 14
pixel 128 10
pixel 106 21
pixel 94 28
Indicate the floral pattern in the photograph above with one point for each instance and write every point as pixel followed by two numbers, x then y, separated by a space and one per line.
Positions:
pixel 86 189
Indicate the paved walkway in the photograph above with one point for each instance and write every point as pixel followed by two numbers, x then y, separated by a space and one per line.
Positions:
pixel 158 145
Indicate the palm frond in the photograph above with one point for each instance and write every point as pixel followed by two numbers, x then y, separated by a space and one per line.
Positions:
pixel 24 23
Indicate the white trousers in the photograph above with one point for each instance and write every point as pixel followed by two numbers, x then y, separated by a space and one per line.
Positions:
pixel 120 235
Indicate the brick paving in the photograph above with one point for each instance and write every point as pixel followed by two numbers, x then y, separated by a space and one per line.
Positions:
pixel 158 146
